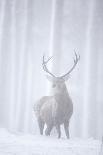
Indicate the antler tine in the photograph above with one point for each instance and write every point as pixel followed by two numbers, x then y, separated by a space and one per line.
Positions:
pixel 45 67
pixel 45 62
pixel 76 57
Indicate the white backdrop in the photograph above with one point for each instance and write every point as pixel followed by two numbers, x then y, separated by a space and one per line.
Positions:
pixel 29 28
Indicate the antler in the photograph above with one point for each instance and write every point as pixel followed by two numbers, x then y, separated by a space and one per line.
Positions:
pixel 76 59
pixel 45 67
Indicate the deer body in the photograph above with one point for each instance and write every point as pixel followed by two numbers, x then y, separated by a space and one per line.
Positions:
pixel 56 109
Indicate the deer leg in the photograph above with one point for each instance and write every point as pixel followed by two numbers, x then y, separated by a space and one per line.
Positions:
pixel 66 125
pixel 58 130
pixel 48 130
pixel 41 125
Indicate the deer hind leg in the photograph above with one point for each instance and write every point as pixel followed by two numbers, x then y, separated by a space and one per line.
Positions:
pixel 41 125
pixel 58 130
pixel 66 125
pixel 48 129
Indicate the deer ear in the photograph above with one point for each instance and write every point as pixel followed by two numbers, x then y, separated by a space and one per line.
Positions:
pixel 50 78
pixel 65 78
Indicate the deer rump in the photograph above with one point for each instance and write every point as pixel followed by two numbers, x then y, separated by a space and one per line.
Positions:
pixel 53 111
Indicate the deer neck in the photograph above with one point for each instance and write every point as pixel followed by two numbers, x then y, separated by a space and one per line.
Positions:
pixel 62 93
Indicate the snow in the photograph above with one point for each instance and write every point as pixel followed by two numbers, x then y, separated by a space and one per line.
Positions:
pixel 29 144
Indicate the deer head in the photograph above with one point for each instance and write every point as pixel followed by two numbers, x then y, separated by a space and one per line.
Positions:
pixel 58 83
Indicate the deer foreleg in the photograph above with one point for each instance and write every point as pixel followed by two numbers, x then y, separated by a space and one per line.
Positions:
pixel 58 130
pixel 41 125
pixel 48 130
pixel 66 125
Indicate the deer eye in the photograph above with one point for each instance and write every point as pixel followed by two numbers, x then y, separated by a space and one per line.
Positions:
pixel 54 85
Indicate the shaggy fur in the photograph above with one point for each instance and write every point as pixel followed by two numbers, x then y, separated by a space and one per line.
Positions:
pixel 54 110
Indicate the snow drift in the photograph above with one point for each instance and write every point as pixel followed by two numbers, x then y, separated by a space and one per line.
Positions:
pixel 28 144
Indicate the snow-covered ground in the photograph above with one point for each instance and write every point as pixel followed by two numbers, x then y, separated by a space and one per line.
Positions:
pixel 27 144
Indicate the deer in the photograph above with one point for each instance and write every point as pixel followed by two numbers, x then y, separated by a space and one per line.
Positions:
pixel 57 109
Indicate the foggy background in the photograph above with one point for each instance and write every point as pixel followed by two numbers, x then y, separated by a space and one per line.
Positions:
pixel 30 28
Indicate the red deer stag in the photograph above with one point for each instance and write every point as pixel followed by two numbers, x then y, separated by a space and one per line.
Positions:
pixel 57 109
